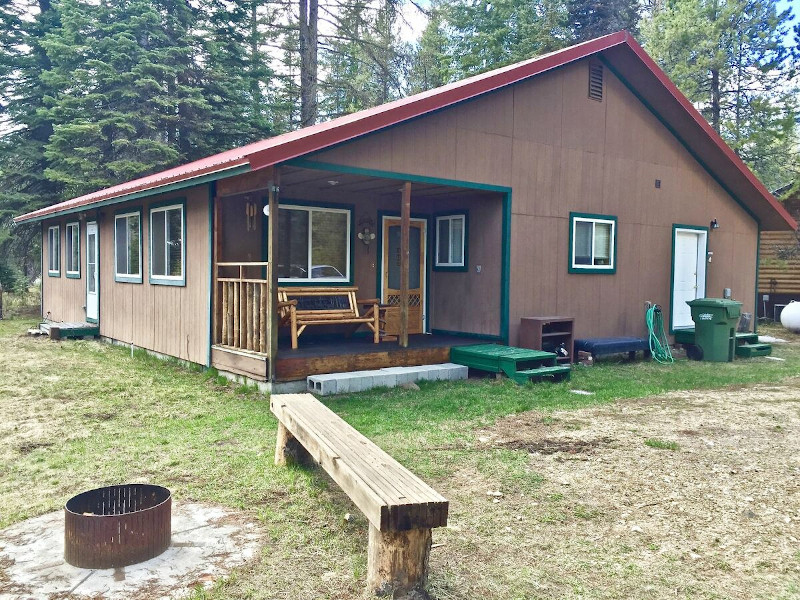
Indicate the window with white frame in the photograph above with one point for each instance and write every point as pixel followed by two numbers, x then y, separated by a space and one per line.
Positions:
pixel 128 246
pixel 167 249
pixel 593 243
pixel 73 255
pixel 451 234
pixel 313 244
pixel 54 251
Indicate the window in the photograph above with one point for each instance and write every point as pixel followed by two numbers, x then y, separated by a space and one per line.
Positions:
pixel 167 251
pixel 451 242
pixel 313 244
pixel 54 251
pixel 128 246
pixel 593 243
pixel 73 256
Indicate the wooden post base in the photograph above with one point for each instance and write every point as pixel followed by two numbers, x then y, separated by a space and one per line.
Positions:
pixel 288 451
pixel 397 561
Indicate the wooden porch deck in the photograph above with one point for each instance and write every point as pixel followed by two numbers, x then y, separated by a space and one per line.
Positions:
pixel 336 355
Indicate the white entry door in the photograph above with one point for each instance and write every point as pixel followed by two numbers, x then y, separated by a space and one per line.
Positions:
pixel 688 273
pixel 92 273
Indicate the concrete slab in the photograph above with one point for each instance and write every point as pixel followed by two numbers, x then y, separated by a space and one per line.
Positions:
pixel 358 381
pixel 207 543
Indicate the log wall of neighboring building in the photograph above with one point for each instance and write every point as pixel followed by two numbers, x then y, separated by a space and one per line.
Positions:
pixel 560 152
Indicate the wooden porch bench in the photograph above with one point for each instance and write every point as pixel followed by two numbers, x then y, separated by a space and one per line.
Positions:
pixel 400 507
pixel 299 307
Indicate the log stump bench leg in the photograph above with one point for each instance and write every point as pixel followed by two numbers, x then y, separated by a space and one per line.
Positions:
pixel 288 451
pixel 397 561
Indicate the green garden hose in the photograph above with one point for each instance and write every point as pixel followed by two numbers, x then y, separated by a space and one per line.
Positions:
pixel 659 344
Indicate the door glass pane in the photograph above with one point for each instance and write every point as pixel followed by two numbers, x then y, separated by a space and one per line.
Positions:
pixel 133 245
pixel 414 258
pixel 175 242
pixel 158 250
pixel 292 243
pixel 329 245
pixel 394 257
pixel 602 243
pixel 457 241
pixel 443 242
pixel 583 243
pixel 414 266
pixel 91 263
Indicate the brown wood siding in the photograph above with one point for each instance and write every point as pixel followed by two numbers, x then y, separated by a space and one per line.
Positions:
pixel 172 320
pixel 560 152
pixel 64 298
pixel 778 274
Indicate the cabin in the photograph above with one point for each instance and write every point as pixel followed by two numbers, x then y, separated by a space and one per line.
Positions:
pixel 779 263
pixel 580 183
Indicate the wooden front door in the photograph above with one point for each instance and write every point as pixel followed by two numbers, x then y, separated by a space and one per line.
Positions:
pixel 390 292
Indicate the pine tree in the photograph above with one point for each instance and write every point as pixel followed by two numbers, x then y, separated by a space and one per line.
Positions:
pixel 730 59
pixel 432 62
pixel 589 19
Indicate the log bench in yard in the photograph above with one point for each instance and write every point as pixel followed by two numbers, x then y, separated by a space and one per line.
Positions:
pixel 400 507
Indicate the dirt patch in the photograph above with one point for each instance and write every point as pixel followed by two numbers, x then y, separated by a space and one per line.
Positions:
pixel 29 447
pixel 717 517
pixel 552 446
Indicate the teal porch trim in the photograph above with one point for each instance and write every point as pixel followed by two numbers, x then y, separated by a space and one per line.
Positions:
pixel 161 280
pixel 675 227
pixel 324 166
pixel 758 260
pixel 593 270
pixel 505 269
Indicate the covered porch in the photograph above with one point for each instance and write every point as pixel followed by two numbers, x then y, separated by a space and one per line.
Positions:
pixel 428 259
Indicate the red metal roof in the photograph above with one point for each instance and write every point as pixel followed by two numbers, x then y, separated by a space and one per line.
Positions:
pixel 305 141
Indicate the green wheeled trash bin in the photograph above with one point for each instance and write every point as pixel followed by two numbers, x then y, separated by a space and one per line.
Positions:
pixel 715 328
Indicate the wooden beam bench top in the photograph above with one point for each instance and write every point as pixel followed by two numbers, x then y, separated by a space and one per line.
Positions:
pixel 389 495
pixel 400 507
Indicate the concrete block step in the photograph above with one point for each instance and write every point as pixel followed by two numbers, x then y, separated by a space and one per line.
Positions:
pixel 359 381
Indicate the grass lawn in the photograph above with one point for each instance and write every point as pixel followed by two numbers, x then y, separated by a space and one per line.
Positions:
pixel 80 414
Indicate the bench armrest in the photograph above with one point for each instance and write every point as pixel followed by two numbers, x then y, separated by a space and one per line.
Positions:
pixel 369 301
pixel 287 303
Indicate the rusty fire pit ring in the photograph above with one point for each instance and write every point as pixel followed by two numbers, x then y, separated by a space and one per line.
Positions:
pixel 117 526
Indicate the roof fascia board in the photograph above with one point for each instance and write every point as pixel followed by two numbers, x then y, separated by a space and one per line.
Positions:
pixel 154 191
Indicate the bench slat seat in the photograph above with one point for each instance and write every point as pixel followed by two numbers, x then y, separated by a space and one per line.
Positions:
pixel 390 496
pixel 300 307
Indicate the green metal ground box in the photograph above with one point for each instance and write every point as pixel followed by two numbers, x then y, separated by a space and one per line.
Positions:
pixel 715 322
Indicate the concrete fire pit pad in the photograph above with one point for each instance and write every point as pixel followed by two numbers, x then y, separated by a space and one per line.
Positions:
pixel 207 542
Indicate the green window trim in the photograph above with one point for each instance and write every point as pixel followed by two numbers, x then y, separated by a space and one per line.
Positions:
pixel 126 213
pixel 176 280
pixel 73 240
pixel 349 210
pixel 610 269
pixel 451 216
pixel 54 257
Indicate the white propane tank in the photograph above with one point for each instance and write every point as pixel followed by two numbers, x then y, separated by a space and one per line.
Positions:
pixel 790 316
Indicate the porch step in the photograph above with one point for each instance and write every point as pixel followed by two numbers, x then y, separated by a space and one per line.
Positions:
pixel 746 338
pixel 750 350
pixel 359 381
pixel 558 373
pixel 58 331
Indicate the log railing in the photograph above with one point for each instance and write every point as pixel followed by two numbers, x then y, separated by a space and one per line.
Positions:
pixel 240 313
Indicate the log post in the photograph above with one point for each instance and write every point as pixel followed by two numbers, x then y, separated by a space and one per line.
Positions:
pixel 272 274
pixel 405 227
pixel 397 561
pixel 288 451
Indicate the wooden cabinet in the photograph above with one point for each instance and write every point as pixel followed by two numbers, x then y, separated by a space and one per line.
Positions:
pixel 548 334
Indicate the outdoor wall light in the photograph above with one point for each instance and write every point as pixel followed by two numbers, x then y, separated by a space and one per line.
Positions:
pixel 713 225
pixel 367 232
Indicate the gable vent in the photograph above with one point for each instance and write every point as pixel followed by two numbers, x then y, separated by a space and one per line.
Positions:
pixel 596 81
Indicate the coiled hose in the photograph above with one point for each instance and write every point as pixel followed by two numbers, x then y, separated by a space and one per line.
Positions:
pixel 659 344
